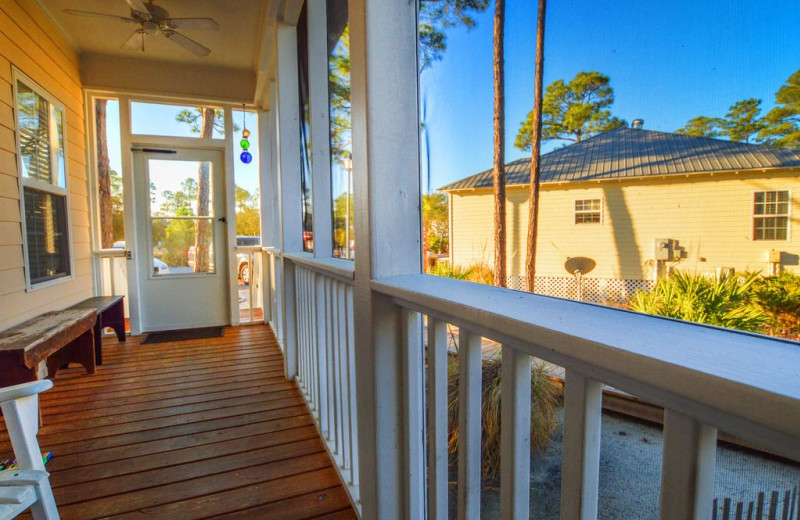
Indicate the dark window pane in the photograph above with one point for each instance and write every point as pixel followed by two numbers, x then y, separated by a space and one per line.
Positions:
pixel 46 232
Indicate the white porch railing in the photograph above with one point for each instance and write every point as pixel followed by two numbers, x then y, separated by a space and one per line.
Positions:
pixel 324 347
pixel 706 379
pixel 272 290
pixel 111 274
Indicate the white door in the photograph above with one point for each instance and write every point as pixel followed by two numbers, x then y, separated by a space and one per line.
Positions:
pixel 181 238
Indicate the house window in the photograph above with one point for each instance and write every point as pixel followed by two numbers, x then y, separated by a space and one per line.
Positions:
pixel 588 211
pixel 771 215
pixel 43 174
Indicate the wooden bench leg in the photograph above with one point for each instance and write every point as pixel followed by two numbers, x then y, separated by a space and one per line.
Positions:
pixel 17 374
pixel 80 350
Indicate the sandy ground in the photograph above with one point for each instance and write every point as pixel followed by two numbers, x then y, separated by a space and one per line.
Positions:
pixel 630 471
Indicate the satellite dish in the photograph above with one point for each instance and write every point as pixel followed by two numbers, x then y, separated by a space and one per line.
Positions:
pixel 579 265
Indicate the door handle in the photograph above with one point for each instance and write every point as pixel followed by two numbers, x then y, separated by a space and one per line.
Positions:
pixel 222 219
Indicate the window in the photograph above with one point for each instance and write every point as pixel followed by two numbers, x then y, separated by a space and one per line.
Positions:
pixel 588 211
pixel 771 215
pixel 43 173
pixel 177 120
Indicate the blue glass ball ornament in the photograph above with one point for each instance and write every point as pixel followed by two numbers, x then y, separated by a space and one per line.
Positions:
pixel 246 157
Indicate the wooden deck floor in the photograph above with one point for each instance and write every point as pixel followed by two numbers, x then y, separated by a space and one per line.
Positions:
pixel 187 430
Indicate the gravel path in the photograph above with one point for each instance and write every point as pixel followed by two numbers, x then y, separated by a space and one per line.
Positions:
pixel 630 471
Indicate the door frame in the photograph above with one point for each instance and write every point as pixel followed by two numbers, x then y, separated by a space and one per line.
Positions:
pixel 128 140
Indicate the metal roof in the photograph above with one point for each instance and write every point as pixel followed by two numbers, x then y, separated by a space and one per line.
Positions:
pixel 632 153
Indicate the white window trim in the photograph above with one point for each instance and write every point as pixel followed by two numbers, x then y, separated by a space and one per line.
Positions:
pixel 19 76
pixel 576 212
pixel 753 217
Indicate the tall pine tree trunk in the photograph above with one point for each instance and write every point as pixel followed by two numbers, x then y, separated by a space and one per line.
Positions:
pixel 104 176
pixel 536 143
pixel 498 172
pixel 202 241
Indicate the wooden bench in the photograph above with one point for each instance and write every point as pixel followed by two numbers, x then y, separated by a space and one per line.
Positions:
pixel 55 338
pixel 110 313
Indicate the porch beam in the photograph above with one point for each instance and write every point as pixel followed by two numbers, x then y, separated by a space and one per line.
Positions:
pixel 385 125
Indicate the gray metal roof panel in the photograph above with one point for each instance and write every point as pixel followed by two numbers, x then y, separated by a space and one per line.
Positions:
pixel 627 152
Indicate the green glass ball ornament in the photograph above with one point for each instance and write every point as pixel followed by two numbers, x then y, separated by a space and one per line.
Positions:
pixel 245 133
pixel 245 144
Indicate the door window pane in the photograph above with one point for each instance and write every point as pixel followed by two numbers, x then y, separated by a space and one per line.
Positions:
pixel 181 212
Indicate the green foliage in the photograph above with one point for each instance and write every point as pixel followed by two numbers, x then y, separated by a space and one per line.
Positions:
pixel 573 111
pixel 783 122
pixel 248 216
pixel 742 123
pixel 339 95
pixel 545 396
pixel 117 205
pixel 779 297
pixel 477 273
pixel 726 300
pixel 701 126
pixel 435 17
pixel 435 226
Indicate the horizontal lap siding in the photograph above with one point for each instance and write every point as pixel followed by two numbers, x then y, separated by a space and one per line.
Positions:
pixel 711 217
pixel 29 42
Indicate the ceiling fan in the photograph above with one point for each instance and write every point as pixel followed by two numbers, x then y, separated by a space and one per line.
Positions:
pixel 156 20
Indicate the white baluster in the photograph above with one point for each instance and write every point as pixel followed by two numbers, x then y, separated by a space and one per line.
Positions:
pixel 413 404
pixel 437 420
pixel 469 425
pixel 688 465
pixel 580 465
pixel 515 439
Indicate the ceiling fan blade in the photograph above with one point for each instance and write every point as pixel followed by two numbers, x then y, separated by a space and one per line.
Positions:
pixel 138 6
pixel 193 23
pixel 134 42
pixel 188 44
pixel 100 15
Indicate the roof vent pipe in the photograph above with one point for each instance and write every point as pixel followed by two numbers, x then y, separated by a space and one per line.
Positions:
pixel 637 123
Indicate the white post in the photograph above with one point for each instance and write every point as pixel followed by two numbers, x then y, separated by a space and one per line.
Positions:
pixel 469 425
pixel 319 118
pixel 688 465
pixel 413 410
pixel 385 127
pixel 515 439
pixel 291 228
pixel 583 413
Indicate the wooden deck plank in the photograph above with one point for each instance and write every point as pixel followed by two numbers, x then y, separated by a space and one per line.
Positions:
pixel 192 429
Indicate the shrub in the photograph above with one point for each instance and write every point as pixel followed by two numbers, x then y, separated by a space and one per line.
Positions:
pixel 544 399
pixel 727 300
pixel 449 271
pixel 779 296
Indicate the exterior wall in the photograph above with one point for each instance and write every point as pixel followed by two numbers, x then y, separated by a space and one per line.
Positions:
pixel 31 43
pixel 710 216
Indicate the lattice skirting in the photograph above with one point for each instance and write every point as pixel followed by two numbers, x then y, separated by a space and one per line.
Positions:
pixel 595 290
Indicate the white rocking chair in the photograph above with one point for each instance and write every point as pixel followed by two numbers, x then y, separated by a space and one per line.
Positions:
pixel 28 485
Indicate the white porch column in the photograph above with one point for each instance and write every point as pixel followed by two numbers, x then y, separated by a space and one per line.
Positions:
pixel 385 126
pixel 319 118
pixel 287 106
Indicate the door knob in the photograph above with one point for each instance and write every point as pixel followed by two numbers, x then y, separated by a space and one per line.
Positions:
pixel 222 219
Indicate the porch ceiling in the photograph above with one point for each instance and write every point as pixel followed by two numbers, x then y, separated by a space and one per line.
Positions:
pixel 237 45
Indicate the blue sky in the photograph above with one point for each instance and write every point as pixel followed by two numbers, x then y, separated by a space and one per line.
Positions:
pixel 668 62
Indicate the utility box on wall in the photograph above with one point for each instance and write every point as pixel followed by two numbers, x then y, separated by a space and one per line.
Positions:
pixel 666 249
pixel 774 256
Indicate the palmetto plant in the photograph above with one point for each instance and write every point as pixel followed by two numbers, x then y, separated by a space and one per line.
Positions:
pixel 727 300
pixel 545 394
pixel 779 296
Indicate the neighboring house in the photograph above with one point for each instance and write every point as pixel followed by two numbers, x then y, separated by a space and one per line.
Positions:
pixel 638 202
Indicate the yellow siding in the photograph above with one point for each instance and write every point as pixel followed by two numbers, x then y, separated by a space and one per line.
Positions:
pixel 710 216
pixel 29 42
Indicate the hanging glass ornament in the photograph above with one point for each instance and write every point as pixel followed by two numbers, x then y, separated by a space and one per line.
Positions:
pixel 246 157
